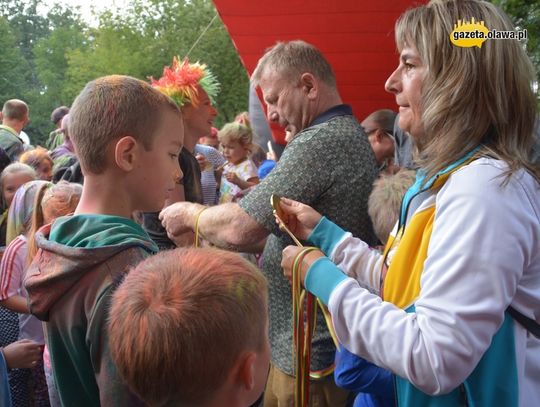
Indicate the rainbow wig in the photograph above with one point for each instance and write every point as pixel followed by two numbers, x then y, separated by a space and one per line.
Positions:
pixel 180 81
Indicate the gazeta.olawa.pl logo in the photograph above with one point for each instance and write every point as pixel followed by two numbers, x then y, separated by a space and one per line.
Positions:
pixel 474 33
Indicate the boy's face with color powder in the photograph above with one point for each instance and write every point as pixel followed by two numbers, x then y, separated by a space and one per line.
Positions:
pixel 158 169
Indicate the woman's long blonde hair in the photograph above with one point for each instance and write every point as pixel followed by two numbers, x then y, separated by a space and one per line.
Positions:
pixel 471 96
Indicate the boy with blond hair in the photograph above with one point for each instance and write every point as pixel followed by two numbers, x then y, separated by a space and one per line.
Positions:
pixel 127 136
pixel 384 202
pixel 189 327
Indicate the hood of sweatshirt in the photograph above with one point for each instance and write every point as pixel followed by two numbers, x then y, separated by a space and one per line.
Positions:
pixel 71 247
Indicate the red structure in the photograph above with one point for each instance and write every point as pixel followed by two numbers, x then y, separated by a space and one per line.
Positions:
pixel 356 36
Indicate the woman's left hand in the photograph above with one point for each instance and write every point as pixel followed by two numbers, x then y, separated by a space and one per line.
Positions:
pixel 288 257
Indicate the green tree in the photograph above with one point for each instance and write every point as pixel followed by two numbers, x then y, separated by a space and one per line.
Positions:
pixel 526 15
pixel 193 29
pixel 14 68
pixel 49 58
pixel 67 33
pixel 117 47
pixel 144 37
pixel 27 27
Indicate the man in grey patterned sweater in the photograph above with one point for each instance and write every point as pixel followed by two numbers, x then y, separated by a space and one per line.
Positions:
pixel 329 165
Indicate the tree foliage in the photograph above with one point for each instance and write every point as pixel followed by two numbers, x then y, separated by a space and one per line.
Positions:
pixel 49 57
pixel 13 69
pixel 526 15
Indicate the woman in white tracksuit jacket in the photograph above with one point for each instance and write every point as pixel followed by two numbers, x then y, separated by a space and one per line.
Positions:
pixel 435 307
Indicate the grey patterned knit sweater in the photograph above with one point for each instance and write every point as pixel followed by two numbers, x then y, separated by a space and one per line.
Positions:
pixel 329 166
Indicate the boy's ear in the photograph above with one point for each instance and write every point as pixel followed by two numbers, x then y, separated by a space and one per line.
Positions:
pixel 247 370
pixel 126 151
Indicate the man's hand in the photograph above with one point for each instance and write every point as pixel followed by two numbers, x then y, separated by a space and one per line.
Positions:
pixel 289 255
pixel 179 218
pixel 22 354
pixel 300 218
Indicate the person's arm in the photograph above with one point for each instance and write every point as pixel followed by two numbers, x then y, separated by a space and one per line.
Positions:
pixel 356 374
pixel 476 258
pixel 227 226
pixel 22 354
pixel 233 178
pixel 218 162
pixel 16 303
pixel 11 272
pixel 350 255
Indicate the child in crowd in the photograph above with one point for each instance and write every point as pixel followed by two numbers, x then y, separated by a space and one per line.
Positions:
pixel 385 201
pixel 19 215
pixel 66 164
pixel 240 173
pixel 189 327
pixel 36 203
pixel 65 150
pixel 13 176
pixel 40 160
pixel 127 136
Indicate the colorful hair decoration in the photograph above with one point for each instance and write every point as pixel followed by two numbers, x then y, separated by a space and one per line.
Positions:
pixel 180 81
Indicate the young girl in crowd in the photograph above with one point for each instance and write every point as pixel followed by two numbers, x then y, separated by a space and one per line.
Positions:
pixel 13 176
pixel 35 204
pixel 240 172
pixel 23 198
pixel 40 160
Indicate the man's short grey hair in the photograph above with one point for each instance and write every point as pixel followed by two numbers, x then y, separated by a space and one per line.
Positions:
pixel 292 59
pixel 381 119
pixel 15 109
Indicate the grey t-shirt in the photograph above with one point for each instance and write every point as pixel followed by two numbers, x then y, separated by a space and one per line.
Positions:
pixel 331 167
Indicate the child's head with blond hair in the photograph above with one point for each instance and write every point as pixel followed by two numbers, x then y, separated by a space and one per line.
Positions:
pixel 127 137
pixel 385 201
pixel 51 201
pixel 188 327
pixel 40 160
pixel 12 177
pixel 236 142
pixel 109 108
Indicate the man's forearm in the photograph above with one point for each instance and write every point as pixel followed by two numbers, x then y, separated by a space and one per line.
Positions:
pixel 228 226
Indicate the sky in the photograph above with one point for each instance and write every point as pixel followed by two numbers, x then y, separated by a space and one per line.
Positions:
pixel 86 6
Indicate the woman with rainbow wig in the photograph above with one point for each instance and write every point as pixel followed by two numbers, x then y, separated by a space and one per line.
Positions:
pixel 194 89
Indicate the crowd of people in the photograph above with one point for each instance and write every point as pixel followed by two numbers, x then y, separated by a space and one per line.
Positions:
pixel 119 281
